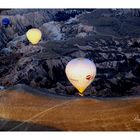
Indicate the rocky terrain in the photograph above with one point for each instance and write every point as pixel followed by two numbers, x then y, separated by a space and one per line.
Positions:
pixel 34 91
pixel 109 37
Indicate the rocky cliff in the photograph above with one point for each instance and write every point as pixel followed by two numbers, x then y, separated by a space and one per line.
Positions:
pixel 111 38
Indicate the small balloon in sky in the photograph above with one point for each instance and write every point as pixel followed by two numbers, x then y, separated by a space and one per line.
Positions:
pixel 34 35
pixel 80 72
pixel 5 21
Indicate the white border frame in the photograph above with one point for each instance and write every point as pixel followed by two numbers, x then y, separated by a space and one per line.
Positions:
pixel 69 3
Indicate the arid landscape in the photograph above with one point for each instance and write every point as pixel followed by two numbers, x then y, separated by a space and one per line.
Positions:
pixel 49 112
pixel 35 93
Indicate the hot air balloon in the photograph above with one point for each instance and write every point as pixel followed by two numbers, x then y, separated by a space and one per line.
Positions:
pixel 80 72
pixel 5 21
pixel 34 35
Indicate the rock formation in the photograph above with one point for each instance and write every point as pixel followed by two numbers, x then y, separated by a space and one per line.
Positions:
pixel 108 37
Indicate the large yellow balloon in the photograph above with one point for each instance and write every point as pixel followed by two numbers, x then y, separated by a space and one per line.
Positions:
pixel 80 72
pixel 34 35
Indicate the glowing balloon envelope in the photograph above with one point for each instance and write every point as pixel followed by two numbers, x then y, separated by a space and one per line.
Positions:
pixel 80 72
pixel 5 21
pixel 34 35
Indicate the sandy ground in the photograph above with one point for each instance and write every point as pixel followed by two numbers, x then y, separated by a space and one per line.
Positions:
pixel 69 113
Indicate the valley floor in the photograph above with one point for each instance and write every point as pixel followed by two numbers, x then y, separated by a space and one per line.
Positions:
pixel 23 105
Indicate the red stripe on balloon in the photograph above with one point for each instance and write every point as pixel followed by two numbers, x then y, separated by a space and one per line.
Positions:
pixel 89 77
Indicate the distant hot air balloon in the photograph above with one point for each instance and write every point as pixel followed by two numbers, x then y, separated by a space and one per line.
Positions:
pixel 81 72
pixel 34 35
pixel 5 21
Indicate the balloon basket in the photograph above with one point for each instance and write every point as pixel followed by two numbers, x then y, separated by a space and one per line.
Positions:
pixel 81 94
